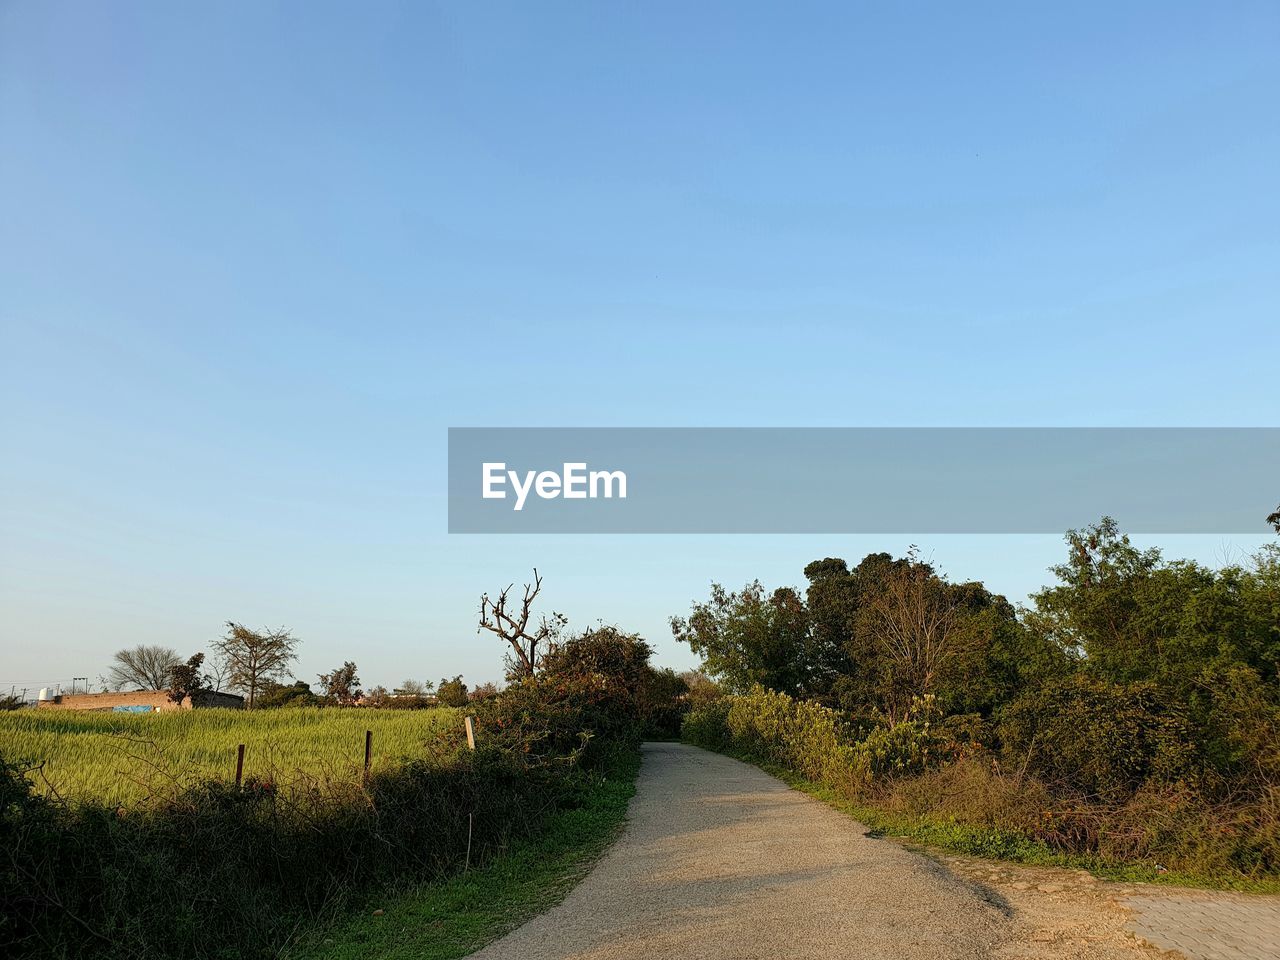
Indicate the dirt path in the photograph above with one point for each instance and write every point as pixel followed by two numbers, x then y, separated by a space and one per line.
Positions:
pixel 720 860
pixel 1058 914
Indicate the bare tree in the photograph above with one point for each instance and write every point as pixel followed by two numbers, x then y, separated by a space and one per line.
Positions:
pixel 144 667
pixel 255 659
pixel 913 616
pixel 414 688
pixel 219 673
pixel 527 644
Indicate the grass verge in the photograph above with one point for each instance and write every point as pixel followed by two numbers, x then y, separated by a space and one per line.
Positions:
pixel 993 844
pixel 456 917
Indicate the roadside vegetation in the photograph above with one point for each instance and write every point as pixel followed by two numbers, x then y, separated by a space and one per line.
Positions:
pixel 455 917
pixel 198 866
pixel 1128 720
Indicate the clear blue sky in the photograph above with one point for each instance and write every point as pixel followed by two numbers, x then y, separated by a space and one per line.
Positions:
pixel 256 258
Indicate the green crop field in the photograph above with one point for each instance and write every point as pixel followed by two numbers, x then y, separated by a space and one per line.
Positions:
pixel 118 758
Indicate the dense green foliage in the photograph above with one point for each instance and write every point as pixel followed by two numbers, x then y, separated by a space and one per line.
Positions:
pixel 871 639
pixel 614 666
pixel 752 638
pixel 1132 712
pixel 593 689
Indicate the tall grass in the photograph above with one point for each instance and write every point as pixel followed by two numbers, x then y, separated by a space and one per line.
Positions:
pixel 118 758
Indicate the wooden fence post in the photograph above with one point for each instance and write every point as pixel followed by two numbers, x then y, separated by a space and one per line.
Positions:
pixel 470 822
pixel 368 752
pixel 471 732
pixel 239 765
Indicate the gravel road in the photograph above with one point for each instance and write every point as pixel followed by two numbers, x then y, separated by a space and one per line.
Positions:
pixel 721 860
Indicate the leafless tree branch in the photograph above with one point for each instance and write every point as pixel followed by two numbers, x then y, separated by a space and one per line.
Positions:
pixel 527 644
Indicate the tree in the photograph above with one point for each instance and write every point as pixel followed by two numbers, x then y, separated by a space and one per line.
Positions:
pixel 342 686
pixel 1274 519
pixel 255 659
pixel 832 600
pixel 912 618
pixel 484 691
pixel 1130 615
pixel 144 667
pixel 752 637
pixel 452 693
pixel 527 644
pixel 186 680
pixel 837 600
pixel 219 672
pixel 982 658
pixel 414 688
pixel 296 694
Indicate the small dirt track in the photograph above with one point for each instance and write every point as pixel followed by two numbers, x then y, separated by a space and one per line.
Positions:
pixel 721 860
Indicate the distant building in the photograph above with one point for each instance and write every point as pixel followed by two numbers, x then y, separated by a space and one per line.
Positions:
pixel 139 701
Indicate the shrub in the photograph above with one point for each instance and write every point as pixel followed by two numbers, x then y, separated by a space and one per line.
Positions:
pixel 973 790
pixel 910 747
pixel 800 734
pixel 452 693
pixel 707 725
pixel 550 720
pixel 1096 738
pixel 609 669
pixel 1237 720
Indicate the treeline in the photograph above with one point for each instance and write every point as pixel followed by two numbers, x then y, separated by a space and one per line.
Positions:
pixel 217 870
pixel 1130 712
pixel 258 664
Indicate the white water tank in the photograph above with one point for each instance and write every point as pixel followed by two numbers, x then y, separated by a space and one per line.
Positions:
pixel 44 693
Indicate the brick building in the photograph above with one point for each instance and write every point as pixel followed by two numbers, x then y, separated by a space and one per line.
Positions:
pixel 138 701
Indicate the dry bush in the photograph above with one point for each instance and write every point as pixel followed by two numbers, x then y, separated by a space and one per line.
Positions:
pixel 972 790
